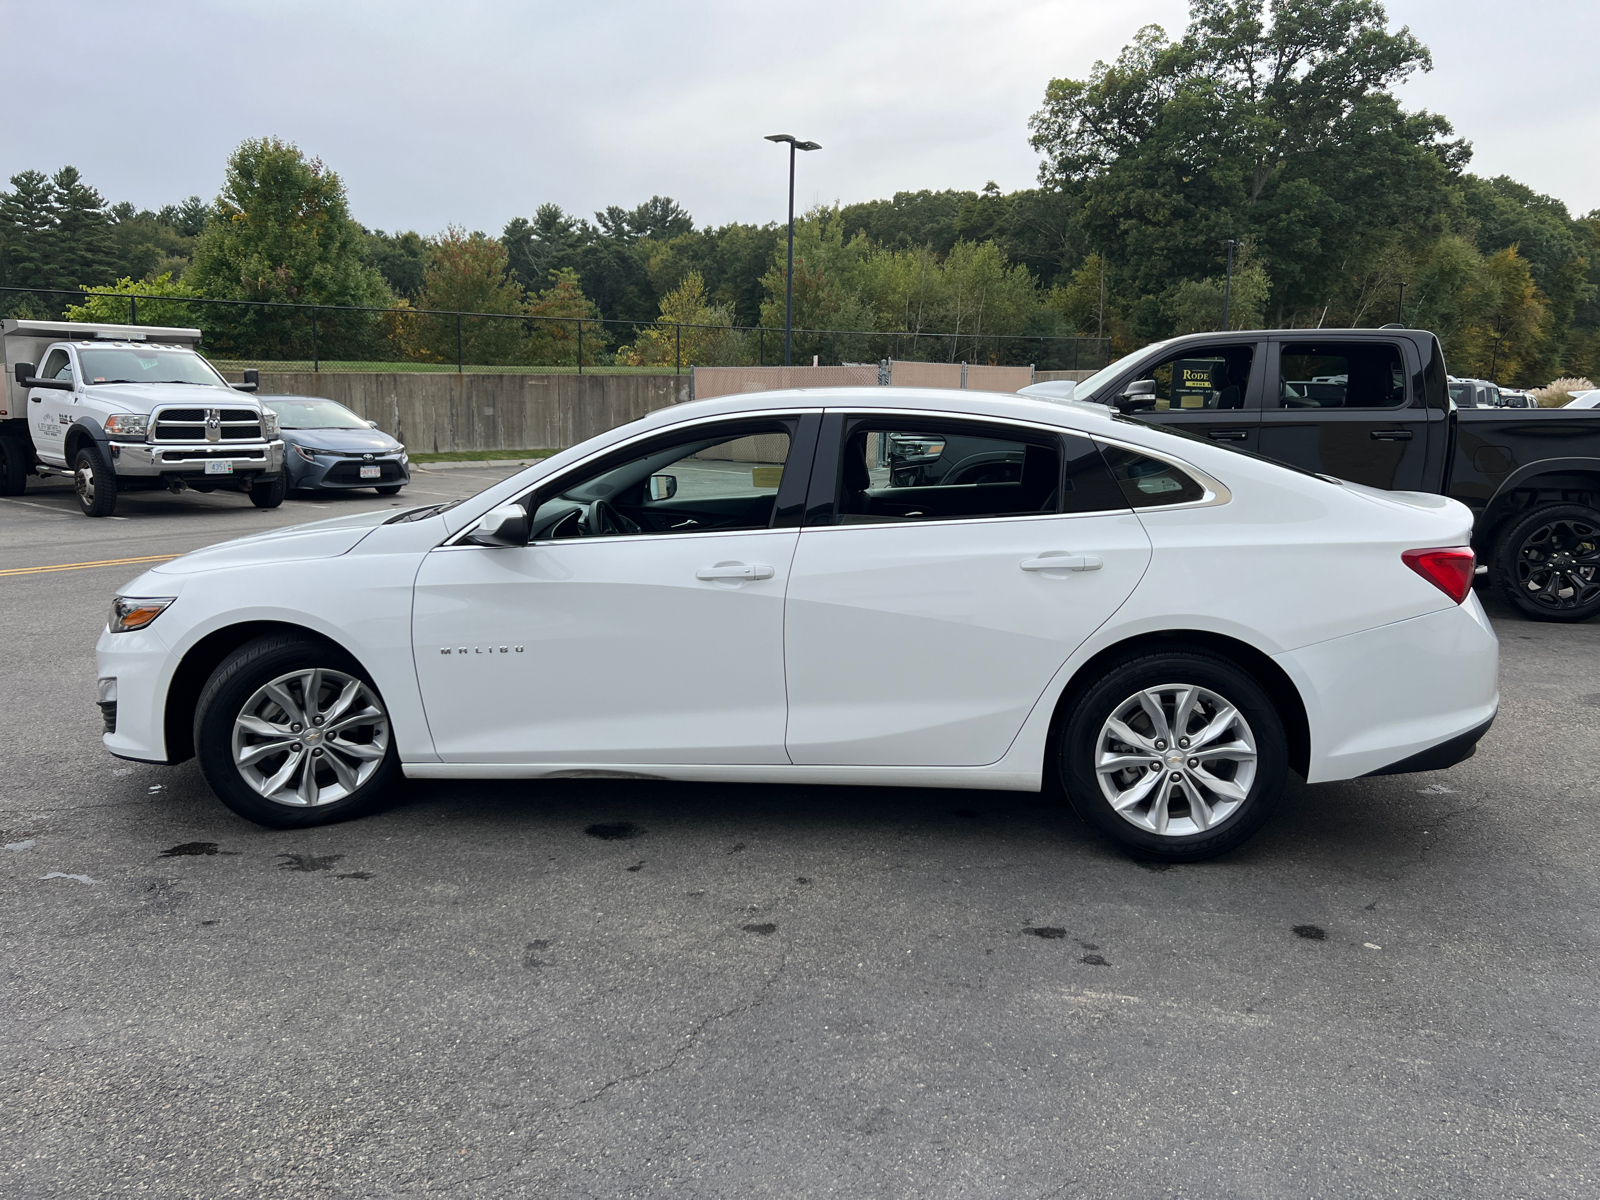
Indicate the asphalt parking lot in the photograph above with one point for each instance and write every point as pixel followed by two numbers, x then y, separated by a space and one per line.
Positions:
pixel 616 988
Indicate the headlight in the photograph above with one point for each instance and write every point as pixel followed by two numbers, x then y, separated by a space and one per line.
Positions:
pixel 127 424
pixel 309 453
pixel 129 613
pixel 269 423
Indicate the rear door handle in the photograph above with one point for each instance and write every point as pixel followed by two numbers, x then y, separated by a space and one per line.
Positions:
pixel 1063 562
pixel 734 571
pixel 1228 435
pixel 1391 435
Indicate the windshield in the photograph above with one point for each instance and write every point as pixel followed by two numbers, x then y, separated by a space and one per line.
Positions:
pixel 147 364
pixel 1085 390
pixel 313 414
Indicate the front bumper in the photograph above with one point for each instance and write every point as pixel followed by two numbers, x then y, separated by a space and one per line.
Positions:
pixel 339 472
pixel 134 671
pixel 188 460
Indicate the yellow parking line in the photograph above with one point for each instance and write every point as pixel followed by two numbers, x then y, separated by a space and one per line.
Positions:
pixel 106 562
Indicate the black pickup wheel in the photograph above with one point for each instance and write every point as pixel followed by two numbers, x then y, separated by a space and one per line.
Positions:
pixel 1547 563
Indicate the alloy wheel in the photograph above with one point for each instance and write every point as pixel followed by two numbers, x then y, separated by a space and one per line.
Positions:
pixel 310 738
pixel 1558 564
pixel 1175 760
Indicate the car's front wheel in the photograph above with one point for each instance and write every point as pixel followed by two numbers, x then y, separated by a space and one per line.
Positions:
pixel 1176 755
pixel 290 732
pixel 268 491
pixel 95 484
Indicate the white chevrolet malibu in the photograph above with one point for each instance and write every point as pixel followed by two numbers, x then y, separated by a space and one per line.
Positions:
pixel 862 586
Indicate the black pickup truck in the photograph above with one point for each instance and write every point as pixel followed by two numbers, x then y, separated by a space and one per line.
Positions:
pixel 1373 406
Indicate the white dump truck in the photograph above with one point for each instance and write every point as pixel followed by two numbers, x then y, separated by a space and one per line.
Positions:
pixel 125 407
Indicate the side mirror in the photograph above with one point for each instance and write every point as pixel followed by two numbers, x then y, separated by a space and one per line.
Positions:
pixel 24 372
pixel 372 424
pixel 252 380
pixel 1137 396
pixel 663 487
pixel 507 525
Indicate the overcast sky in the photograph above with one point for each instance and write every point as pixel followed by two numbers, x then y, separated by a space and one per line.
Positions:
pixel 473 112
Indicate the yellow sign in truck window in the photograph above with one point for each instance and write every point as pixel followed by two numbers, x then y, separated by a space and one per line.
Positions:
pixel 1195 382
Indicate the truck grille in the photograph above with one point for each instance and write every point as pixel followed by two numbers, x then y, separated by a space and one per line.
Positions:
pixel 196 425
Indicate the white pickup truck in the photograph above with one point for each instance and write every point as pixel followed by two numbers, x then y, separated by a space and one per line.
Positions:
pixel 128 407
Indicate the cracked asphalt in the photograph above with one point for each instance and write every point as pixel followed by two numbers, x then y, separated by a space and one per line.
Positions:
pixel 618 988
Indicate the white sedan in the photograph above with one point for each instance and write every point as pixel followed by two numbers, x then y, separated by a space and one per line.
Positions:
pixel 854 586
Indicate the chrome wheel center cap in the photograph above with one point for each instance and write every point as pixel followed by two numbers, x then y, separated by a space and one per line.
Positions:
pixel 313 735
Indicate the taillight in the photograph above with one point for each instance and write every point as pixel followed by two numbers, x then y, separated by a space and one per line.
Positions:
pixel 1449 568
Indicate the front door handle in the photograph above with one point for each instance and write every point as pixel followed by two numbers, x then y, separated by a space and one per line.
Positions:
pixel 1228 435
pixel 1063 562
pixel 36 399
pixel 732 570
pixel 1391 435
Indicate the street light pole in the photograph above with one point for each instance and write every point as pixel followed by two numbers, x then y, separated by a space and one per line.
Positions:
pixel 788 286
pixel 1227 286
pixel 1400 309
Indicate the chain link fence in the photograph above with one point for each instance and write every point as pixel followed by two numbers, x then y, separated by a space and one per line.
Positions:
pixel 280 336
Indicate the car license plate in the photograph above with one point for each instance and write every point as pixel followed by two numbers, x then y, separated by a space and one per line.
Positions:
pixel 219 468
pixel 372 472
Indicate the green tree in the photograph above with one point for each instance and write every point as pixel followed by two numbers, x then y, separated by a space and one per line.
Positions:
pixel 281 230
pixel 469 273
pixel 693 332
pixel 156 305
pixel 556 342
pixel 1275 123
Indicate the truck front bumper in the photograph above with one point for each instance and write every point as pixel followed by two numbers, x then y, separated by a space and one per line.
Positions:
pixel 190 460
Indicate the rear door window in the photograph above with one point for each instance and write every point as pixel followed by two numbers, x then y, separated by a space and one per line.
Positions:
pixel 908 471
pixel 1340 375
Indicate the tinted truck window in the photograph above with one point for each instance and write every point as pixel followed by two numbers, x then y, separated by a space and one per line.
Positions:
pixel 1341 375
pixel 1211 378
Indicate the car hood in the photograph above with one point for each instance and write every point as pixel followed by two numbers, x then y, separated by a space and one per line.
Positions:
pixel 346 441
pixel 320 539
pixel 146 397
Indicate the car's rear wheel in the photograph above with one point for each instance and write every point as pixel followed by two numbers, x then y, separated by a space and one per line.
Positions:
pixel 1548 563
pixel 290 732
pixel 1176 755
pixel 95 484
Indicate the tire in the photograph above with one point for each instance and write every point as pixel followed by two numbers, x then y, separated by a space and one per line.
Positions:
pixel 95 483
pixel 292 788
pixel 391 489
pixel 1547 563
pixel 269 495
pixel 1235 793
pixel 16 464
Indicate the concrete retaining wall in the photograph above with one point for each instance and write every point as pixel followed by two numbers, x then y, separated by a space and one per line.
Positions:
pixel 436 413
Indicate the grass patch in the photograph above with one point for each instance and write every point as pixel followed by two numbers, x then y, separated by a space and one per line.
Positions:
pixel 481 455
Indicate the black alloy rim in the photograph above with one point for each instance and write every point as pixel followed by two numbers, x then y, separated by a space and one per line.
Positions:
pixel 1558 564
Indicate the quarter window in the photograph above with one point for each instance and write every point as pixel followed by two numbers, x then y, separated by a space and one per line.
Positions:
pixel 1148 482
pixel 1340 375
pixel 945 472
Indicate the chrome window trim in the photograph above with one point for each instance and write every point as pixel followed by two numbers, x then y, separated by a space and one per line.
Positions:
pixel 1216 491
